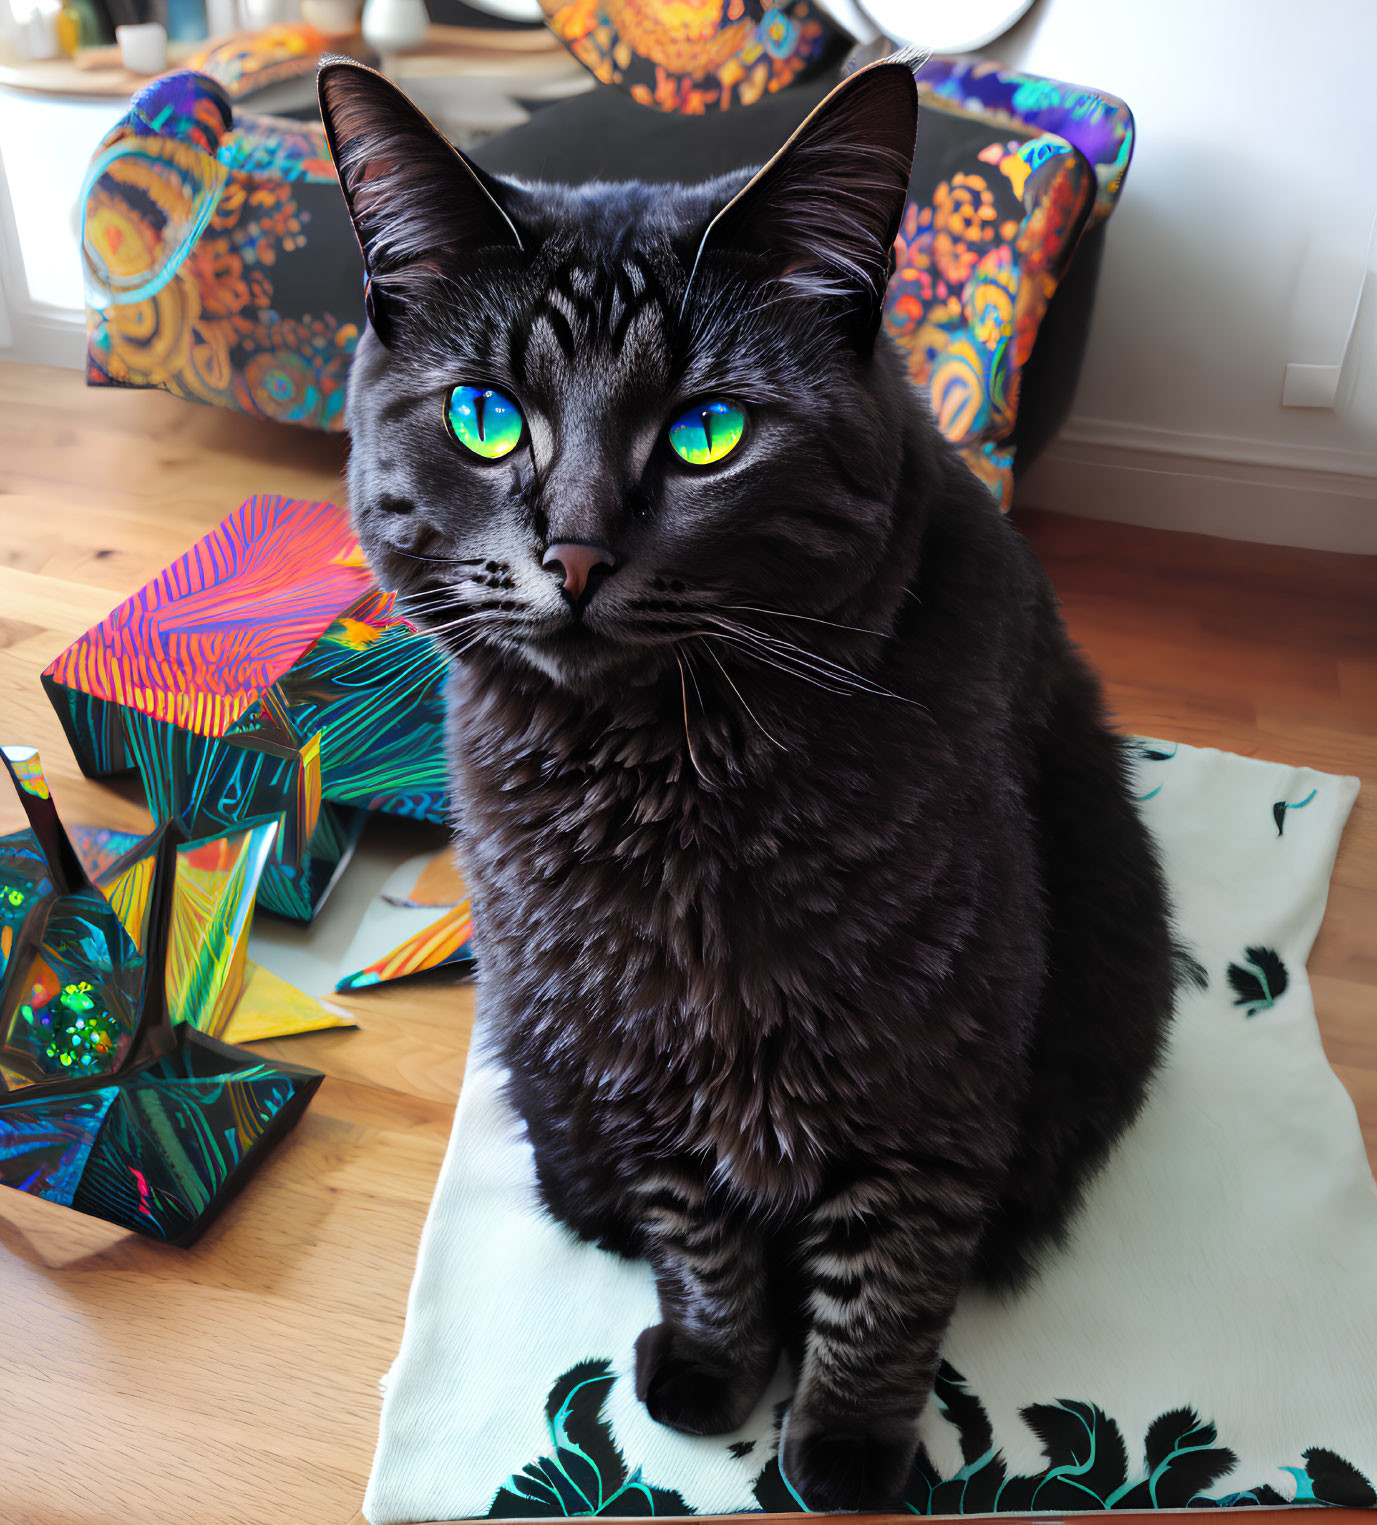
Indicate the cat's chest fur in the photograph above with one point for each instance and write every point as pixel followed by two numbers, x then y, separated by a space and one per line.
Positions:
pixel 660 943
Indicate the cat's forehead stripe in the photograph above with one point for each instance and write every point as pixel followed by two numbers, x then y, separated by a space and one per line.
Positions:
pixel 589 310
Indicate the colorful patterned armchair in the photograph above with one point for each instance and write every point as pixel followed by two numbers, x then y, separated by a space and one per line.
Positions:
pixel 198 273
pixel 220 265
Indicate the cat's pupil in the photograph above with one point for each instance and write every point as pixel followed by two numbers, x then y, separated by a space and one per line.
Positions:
pixel 480 403
pixel 705 419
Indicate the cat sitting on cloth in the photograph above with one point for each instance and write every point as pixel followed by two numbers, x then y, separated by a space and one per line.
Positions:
pixel 817 926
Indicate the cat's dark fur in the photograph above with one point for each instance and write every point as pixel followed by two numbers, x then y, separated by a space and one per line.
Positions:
pixel 816 921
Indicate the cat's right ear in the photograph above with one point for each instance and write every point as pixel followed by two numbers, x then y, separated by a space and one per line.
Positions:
pixel 824 212
pixel 417 204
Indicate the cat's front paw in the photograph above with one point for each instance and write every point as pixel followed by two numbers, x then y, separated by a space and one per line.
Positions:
pixel 689 1388
pixel 845 1466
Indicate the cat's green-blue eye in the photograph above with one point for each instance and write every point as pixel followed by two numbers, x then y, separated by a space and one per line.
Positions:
pixel 484 421
pixel 706 432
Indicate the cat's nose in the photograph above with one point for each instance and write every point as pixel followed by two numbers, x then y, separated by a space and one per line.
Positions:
pixel 578 561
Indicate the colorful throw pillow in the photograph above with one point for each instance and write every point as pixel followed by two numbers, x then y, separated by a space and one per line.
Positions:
pixel 1097 125
pixel 696 55
pixel 247 61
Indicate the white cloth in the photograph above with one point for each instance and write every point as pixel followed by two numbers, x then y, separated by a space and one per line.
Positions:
pixel 1226 1262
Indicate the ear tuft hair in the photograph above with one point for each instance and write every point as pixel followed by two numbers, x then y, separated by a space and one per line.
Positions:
pixel 826 209
pixel 415 201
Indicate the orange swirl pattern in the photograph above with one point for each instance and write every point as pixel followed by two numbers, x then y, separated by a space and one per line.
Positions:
pixel 693 55
pixel 195 234
pixel 974 271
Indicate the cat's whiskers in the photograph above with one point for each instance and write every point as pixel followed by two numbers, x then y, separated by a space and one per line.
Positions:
pixel 783 646
pixel 766 661
pixel 740 636
pixel 459 612
pixel 795 666
pixel 785 614
pixel 484 619
pixel 742 698
pixel 789 650
pixel 688 737
pixel 451 561
pixel 822 666
pixel 693 673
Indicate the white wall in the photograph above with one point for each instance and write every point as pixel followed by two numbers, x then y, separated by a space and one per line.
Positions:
pixel 45 149
pixel 1240 237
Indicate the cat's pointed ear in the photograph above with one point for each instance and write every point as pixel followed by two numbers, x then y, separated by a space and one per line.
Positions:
pixel 417 204
pixel 826 209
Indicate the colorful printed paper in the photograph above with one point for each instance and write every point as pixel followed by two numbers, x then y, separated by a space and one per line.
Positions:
pixel 445 943
pixel 24 881
pixel 229 997
pixel 74 1005
pixel 209 937
pixel 439 883
pixel 260 675
pixel 100 846
pixel 392 917
pixel 45 1142
pixel 268 1007
pixel 195 646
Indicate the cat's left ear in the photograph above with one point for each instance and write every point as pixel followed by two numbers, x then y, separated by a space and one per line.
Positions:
pixel 826 209
pixel 417 204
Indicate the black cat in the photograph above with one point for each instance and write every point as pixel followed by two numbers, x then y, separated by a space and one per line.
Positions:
pixel 816 922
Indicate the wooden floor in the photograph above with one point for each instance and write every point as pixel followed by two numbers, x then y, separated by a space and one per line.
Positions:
pixel 237 1383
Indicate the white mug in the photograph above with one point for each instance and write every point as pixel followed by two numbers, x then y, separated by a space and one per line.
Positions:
pixel 143 47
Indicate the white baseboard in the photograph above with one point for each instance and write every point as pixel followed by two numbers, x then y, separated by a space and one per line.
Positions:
pixel 46 336
pixel 1237 489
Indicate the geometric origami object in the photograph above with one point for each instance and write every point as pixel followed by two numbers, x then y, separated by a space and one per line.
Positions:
pixel 76 1004
pixel 161 1148
pixel 262 675
pixel 212 906
pixel 113 1099
pixel 393 917
pixel 266 1007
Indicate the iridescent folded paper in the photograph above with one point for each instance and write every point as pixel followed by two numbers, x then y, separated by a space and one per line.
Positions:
pixel 266 1005
pixel 115 1098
